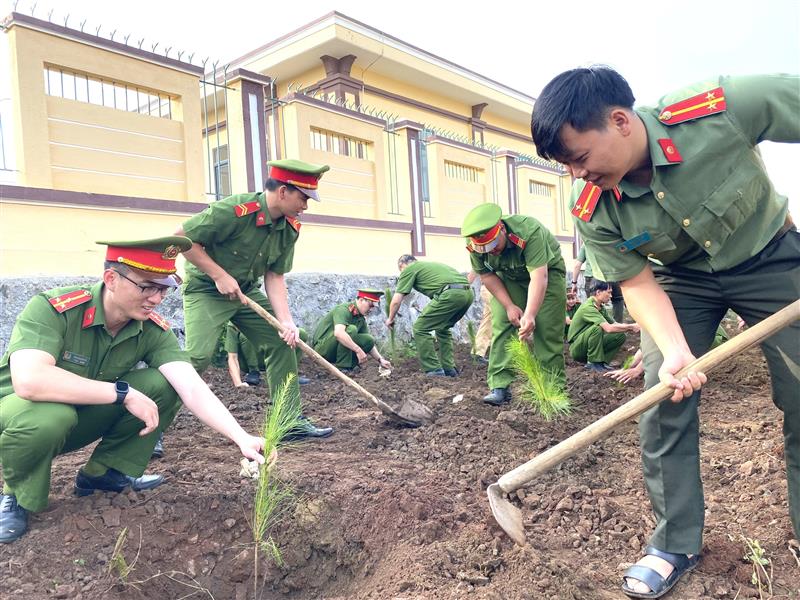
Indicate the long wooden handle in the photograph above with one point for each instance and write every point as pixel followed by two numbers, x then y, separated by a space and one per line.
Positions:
pixel 317 358
pixel 513 480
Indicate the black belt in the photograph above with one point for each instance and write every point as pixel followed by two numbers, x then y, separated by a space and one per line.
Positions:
pixel 455 286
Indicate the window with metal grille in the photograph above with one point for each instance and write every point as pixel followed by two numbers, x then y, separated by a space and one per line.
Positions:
pixel 337 143
pixel 72 85
pixel 222 172
pixel 456 170
pixel 538 188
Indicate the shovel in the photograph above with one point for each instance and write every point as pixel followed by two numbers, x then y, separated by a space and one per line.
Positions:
pixel 509 517
pixel 409 413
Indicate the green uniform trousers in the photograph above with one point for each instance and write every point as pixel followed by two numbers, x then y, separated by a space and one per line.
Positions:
pixel 548 336
pixel 250 359
pixel 33 433
pixel 669 432
pixel 205 316
pixel 439 316
pixel 344 358
pixel 595 345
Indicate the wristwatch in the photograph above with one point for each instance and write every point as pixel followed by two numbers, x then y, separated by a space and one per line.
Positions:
pixel 121 387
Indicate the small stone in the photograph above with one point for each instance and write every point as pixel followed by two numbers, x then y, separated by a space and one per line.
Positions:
pixel 565 504
pixel 229 523
pixel 64 591
pixel 746 468
pixel 111 517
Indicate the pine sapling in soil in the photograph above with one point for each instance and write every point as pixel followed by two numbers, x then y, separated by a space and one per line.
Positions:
pixel 540 389
pixel 272 494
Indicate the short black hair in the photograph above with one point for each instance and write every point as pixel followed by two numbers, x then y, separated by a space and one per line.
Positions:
pixel 598 285
pixel 273 184
pixel 116 266
pixel 581 98
pixel 406 259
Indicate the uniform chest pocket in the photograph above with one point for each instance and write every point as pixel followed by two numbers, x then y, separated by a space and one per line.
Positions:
pixel 659 245
pixel 735 200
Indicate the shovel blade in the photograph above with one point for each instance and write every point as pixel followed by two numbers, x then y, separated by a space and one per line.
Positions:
pixel 508 516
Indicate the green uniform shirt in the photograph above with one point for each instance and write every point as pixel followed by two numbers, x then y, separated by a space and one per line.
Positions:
pixel 587 265
pixel 541 248
pixel 716 207
pixel 428 278
pixel 341 314
pixel 87 349
pixel 587 315
pixel 246 247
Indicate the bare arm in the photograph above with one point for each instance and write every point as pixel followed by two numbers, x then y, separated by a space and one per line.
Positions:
pixel 341 335
pixel 652 310
pixel 226 285
pixel 495 285
pixel 275 285
pixel 202 403
pixel 377 356
pixel 576 270
pixel 235 370
pixel 394 306
pixel 35 377
pixel 619 327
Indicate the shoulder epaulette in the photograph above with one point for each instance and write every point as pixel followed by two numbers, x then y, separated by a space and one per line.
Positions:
pixel 587 201
pixel 159 320
pixel 701 105
pixel 247 208
pixel 617 193
pixel 353 310
pixel 294 223
pixel 516 240
pixel 70 300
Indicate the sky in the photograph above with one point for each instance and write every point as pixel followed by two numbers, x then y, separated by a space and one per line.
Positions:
pixel 658 47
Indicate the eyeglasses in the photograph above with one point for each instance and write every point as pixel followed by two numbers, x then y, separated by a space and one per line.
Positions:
pixel 148 290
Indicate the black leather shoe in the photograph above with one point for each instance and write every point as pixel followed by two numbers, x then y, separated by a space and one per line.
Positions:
pixel 598 367
pixel 497 397
pixel 253 378
pixel 435 373
pixel 305 429
pixel 158 449
pixel 114 481
pixel 302 380
pixel 480 359
pixel 451 372
pixel 13 519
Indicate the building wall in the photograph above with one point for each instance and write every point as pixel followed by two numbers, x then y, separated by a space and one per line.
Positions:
pixel 74 145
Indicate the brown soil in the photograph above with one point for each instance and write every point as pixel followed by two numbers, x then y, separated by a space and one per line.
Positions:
pixel 386 512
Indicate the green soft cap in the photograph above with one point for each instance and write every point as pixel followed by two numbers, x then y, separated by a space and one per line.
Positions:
pixel 481 218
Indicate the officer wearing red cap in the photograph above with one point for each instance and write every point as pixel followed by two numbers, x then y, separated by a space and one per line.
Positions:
pixel 342 336
pixel 237 241
pixel 68 379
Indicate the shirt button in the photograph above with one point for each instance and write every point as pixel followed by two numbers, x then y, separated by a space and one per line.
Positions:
pixel 707 244
pixel 660 195
pixel 686 222
pixel 235 252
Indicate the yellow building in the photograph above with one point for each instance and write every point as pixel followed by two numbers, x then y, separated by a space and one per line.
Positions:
pixel 113 137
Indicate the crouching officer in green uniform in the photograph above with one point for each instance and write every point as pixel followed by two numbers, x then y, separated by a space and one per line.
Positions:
pixel 69 378
pixel 236 241
pixel 451 296
pixel 520 263
pixel 683 184
pixel 342 336
pixel 594 338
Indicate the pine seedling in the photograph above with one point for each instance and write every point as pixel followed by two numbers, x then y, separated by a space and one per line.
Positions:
pixel 626 364
pixel 541 389
pixel 472 333
pixel 271 493
pixel 757 556
pixel 118 564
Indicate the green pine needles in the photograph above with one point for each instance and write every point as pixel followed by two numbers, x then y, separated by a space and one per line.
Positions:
pixel 271 493
pixel 472 333
pixel 541 390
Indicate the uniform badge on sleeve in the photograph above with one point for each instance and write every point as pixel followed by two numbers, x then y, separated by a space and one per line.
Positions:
pixel 701 105
pixel 70 300
pixel 587 201
pixel 159 320
pixel 247 208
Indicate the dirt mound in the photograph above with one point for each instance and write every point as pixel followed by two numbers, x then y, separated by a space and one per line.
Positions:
pixel 382 511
